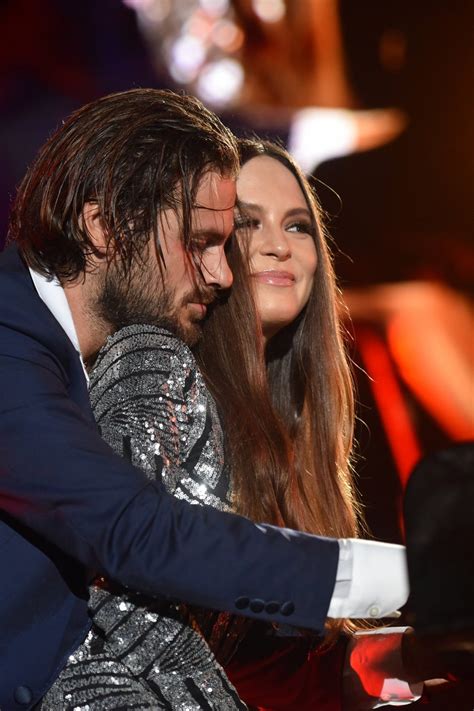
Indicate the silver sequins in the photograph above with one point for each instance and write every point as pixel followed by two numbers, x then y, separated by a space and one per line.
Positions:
pixel 152 405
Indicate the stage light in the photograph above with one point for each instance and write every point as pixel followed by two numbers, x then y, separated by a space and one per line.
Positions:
pixel 227 36
pixel 150 11
pixel 215 7
pixel 269 10
pixel 186 57
pixel 220 81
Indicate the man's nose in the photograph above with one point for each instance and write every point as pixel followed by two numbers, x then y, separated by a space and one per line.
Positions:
pixel 216 271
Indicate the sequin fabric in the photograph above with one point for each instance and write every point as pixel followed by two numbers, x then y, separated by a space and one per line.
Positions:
pixel 153 407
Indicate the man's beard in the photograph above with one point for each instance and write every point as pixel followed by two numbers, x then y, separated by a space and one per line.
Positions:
pixel 126 300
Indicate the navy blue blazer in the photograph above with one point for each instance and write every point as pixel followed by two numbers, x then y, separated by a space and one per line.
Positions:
pixel 71 508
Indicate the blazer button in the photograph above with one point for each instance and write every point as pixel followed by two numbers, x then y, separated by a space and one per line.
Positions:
pixel 23 695
pixel 287 608
pixel 257 605
pixel 242 603
pixel 272 607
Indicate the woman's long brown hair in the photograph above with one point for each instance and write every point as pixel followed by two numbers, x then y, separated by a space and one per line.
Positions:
pixel 288 409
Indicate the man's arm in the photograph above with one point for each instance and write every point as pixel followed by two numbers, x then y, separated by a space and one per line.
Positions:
pixel 61 480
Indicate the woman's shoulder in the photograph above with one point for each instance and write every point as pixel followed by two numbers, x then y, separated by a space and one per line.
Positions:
pixel 142 345
pixel 138 358
pixel 142 336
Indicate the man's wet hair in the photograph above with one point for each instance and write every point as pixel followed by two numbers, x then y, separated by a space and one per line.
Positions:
pixel 132 153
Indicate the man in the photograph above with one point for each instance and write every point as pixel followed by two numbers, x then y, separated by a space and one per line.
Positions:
pixel 124 218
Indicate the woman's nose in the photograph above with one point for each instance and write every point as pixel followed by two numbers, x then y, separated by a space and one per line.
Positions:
pixel 275 243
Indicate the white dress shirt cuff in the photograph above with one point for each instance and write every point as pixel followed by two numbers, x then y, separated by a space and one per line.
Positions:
pixel 371 580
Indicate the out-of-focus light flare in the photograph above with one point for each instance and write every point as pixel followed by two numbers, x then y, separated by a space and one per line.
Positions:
pixel 186 57
pixel 138 4
pixel 199 24
pixel 197 41
pixel 152 11
pixel 215 7
pixel 306 142
pixel 219 82
pixel 269 10
pixel 227 36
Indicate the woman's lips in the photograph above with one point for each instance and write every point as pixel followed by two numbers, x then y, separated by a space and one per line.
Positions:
pixel 275 278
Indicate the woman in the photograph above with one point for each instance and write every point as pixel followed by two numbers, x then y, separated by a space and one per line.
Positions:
pixel 302 442
pixel 298 428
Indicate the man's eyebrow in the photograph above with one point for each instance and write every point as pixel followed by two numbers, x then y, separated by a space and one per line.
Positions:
pixel 197 206
pixel 210 234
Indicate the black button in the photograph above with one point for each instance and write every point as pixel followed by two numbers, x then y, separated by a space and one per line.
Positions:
pixel 257 605
pixel 23 695
pixel 272 607
pixel 287 608
pixel 241 603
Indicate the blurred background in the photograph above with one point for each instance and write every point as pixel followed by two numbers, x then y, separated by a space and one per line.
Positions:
pixel 375 99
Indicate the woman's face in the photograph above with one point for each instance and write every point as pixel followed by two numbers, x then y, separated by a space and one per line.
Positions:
pixel 282 251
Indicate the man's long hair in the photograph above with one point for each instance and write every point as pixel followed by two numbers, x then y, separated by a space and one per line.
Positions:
pixel 289 422
pixel 133 153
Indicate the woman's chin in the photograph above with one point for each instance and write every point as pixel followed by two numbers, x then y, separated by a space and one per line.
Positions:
pixel 272 326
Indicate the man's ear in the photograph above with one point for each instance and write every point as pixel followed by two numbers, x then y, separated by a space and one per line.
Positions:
pixel 93 224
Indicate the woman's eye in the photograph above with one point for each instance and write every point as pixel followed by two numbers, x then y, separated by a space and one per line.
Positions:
pixel 301 227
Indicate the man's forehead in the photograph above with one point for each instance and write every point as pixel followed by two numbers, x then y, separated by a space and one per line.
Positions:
pixel 215 192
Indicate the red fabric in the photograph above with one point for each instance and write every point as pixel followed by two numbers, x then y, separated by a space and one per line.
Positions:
pixel 281 674
pixel 373 657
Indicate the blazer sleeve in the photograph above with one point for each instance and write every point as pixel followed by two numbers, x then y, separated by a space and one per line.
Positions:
pixel 62 481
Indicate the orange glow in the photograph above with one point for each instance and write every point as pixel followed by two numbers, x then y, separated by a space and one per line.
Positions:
pixel 391 406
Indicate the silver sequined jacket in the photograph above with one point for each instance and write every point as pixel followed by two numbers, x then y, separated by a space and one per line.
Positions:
pixel 152 406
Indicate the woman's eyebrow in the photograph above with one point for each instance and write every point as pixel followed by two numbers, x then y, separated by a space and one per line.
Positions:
pixel 298 211
pixel 292 212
